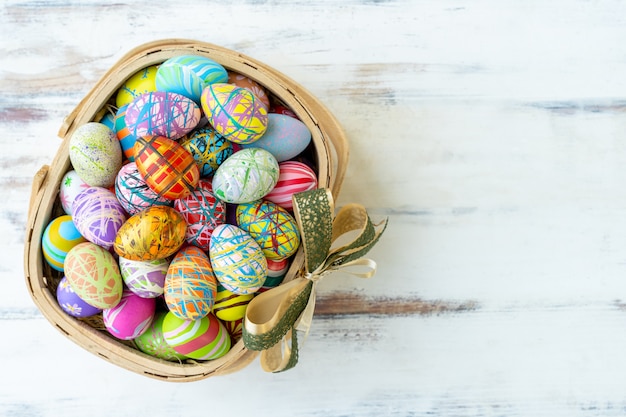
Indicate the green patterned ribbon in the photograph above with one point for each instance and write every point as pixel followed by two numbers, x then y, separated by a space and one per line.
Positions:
pixel 329 245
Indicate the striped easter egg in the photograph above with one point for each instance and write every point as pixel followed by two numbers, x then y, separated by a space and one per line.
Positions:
pixel 59 237
pixel 98 215
pixel 130 317
pixel 235 328
pixel 162 114
pixel 230 306
pixel 276 271
pixel 190 285
pixel 238 261
pixel 144 278
pixel 295 177
pixel 94 275
pixel 167 167
pixel 153 343
pixel 127 140
pixel 155 233
pixel 271 226
pixel 234 112
pixel 133 192
pixel 201 339
pixel 188 75
pixel 246 176
pixel 208 148
pixel 203 212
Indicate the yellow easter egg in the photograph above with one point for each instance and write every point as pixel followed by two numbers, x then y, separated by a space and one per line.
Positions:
pixel 141 82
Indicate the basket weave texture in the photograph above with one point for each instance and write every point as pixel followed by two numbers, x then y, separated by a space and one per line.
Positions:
pixel 330 154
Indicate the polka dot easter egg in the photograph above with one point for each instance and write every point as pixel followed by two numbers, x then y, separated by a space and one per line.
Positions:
pixel 234 112
pixel 202 339
pixel 190 285
pixel 271 226
pixel 94 275
pixel 167 167
pixel 71 186
pixel 153 343
pixel 98 216
pixel 130 317
pixel 247 175
pixel 95 154
pixel 162 114
pixel 285 137
pixel 144 278
pixel 71 303
pixel 139 83
pixel 203 212
pixel 133 192
pixel 238 261
pixel 59 237
pixel 154 233
pixel 295 177
pixel 208 149
pixel 188 75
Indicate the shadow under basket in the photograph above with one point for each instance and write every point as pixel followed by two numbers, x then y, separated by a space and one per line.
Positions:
pixel 328 152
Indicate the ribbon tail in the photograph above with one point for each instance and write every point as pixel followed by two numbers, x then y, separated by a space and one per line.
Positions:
pixel 283 355
pixel 306 318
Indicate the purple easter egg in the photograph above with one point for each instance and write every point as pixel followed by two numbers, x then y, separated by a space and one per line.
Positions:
pixel 98 215
pixel 71 303
pixel 144 278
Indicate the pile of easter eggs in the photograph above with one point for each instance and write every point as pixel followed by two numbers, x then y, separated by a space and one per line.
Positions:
pixel 177 208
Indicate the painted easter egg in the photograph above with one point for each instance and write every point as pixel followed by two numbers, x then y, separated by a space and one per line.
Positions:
pixel 154 233
pixel 238 261
pixel 234 112
pixel 190 284
pixel 295 177
pixel 153 343
pixel 98 215
pixel 271 226
pixel 201 339
pixel 208 148
pixel 235 328
pixel 203 212
pixel 59 237
pixel 133 192
pixel 95 154
pixel 255 88
pixel 108 120
pixel 247 175
pixel 127 140
pixel 166 166
pixel 281 109
pixel 141 82
pixel 144 278
pixel 285 137
pixel 188 75
pixel 130 317
pixel 71 303
pixel 71 186
pixel 94 275
pixel 276 271
pixel 230 306
pixel 162 114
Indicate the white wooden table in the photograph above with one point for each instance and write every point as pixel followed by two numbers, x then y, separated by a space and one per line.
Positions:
pixel 493 136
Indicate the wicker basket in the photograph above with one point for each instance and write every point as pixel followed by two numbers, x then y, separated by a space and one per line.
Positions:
pixel 329 152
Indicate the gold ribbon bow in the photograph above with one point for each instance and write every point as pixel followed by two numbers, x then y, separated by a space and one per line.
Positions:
pixel 273 317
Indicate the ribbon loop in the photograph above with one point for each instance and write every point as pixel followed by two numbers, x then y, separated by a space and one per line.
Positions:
pixel 329 245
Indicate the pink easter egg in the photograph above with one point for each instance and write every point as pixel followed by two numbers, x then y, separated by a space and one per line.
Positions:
pixel 295 177
pixel 130 317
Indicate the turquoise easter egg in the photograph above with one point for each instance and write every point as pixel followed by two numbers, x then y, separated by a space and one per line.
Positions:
pixel 127 139
pixel 201 339
pixel 188 75
pixel 238 261
pixel 285 137
pixel 246 176
pixel 271 226
pixel 58 238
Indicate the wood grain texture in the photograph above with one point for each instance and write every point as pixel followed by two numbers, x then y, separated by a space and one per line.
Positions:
pixel 492 136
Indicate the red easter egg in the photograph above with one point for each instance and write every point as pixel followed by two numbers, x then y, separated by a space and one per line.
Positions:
pixel 167 167
pixel 295 177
